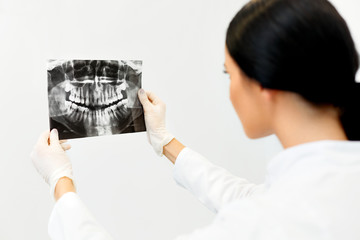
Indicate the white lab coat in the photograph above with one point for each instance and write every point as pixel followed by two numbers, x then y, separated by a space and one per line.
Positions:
pixel 312 191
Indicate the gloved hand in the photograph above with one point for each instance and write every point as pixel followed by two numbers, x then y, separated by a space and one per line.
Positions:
pixel 154 111
pixel 50 159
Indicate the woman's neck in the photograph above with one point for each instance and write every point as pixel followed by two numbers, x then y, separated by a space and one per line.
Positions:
pixel 300 122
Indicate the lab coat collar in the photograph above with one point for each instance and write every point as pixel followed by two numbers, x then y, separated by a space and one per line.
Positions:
pixel 296 159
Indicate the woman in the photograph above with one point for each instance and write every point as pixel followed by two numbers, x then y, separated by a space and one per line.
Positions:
pixel 292 65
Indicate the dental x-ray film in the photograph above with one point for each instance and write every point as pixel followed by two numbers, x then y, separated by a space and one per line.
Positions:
pixel 94 97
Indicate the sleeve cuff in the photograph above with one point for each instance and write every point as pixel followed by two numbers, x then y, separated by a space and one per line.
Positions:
pixel 187 166
pixel 68 197
pixel 55 225
pixel 70 219
pixel 180 165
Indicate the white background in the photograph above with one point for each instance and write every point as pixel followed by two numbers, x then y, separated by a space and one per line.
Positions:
pixel 128 188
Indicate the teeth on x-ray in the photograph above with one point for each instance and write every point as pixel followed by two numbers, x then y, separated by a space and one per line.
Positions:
pixel 94 97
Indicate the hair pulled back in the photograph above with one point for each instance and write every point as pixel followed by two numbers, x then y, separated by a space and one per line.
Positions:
pixel 302 46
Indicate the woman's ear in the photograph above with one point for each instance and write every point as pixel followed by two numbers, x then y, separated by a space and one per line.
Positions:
pixel 269 95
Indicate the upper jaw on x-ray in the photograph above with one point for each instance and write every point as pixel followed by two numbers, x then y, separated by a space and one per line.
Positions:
pixel 94 97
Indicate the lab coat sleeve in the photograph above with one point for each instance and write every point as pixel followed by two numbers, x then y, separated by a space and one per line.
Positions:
pixel 212 185
pixel 71 220
pixel 250 219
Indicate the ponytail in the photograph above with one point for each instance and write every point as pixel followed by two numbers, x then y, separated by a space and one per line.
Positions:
pixel 350 114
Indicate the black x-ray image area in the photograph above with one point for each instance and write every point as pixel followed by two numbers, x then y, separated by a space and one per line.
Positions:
pixel 94 97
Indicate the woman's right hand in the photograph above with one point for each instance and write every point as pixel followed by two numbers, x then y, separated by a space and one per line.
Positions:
pixel 50 159
pixel 154 111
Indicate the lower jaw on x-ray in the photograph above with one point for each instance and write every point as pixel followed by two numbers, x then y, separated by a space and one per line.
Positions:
pixel 94 97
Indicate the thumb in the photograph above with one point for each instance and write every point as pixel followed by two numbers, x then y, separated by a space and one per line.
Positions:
pixel 144 99
pixel 54 137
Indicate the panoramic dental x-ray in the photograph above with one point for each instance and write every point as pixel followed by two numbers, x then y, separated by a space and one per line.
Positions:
pixel 94 97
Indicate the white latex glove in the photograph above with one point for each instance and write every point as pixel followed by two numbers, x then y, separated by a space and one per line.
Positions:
pixel 154 111
pixel 50 159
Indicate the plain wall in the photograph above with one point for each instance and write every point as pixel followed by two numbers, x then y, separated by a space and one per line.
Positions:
pixel 128 188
